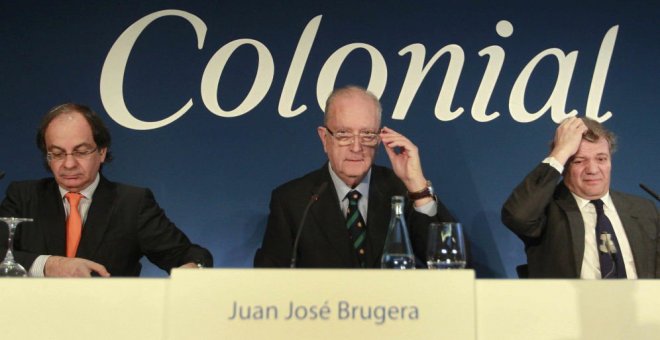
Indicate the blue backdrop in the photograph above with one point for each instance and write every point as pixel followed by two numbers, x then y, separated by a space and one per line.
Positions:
pixel 214 103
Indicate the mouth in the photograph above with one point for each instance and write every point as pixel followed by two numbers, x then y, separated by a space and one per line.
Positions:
pixel 69 177
pixel 592 181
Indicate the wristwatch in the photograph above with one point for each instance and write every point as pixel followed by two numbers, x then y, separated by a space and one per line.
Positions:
pixel 424 193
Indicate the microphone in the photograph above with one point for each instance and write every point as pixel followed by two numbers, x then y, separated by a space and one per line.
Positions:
pixel 315 197
pixel 2 174
pixel 647 189
pixel 608 247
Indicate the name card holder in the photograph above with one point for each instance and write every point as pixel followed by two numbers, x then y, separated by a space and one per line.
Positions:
pixel 115 308
pixel 312 303
pixel 568 309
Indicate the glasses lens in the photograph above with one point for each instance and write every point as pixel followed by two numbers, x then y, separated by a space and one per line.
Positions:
pixel 344 140
pixel 369 139
pixel 55 156
pixel 77 154
pixel 82 154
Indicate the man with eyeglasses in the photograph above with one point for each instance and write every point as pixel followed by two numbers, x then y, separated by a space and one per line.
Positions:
pixel 347 224
pixel 85 225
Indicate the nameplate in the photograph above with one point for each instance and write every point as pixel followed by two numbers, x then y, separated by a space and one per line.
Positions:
pixel 553 309
pixel 312 303
pixel 67 308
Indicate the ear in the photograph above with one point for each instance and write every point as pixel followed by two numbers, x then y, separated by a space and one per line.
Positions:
pixel 103 152
pixel 322 134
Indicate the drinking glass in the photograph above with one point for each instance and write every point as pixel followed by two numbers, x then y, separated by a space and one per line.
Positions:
pixel 9 267
pixel 446 247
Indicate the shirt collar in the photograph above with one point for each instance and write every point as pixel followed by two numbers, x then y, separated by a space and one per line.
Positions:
pixel 343 189
pixel 87 192
pixel 582 202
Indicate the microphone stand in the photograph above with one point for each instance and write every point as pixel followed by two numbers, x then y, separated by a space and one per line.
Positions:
pixel 650 192
pixel 312 199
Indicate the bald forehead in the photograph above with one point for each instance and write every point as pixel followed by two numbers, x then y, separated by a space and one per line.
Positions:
pixel 351 97
pixel 68 116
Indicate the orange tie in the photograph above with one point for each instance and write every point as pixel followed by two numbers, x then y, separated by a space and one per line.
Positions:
pixel 73 224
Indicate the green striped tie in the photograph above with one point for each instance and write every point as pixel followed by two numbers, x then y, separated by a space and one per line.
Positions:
pixel 356 226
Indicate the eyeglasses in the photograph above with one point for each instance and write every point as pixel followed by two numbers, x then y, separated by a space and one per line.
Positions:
pixel 345 138
pixel 77 154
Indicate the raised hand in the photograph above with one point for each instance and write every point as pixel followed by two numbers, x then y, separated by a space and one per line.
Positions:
pixel 568 138
pixel 406 164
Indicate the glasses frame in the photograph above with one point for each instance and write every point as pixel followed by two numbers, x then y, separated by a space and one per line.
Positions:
pixel 78 155
pixel 359 136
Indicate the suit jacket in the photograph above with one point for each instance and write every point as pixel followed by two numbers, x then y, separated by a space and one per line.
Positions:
pixel 324 242
pixel 546 217
pixel 123 224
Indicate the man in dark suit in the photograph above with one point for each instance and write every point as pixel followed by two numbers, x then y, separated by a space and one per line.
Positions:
pixel 350 135
pixel 84 224
pixel 579 228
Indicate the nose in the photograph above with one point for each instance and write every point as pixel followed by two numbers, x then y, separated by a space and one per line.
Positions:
pixel 69 161
pixel 356 146
pixel 591 167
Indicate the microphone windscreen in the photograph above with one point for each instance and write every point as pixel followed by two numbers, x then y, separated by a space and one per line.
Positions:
pixel 611 247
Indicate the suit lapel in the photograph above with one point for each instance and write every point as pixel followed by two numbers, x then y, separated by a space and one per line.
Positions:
pixel 52 218
pixel 98 218
pixel 327 215
pixel 377 219
pixel 634 232
pixel 567 203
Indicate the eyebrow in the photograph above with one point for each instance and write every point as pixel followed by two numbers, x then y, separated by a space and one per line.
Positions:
pixel 580 157
pixel 359 131
pixel 74 148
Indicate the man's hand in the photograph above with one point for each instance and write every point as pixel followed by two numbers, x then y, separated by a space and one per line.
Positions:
pixel 192 265
pixel 567 139
pixel 58 266
pixel 406 164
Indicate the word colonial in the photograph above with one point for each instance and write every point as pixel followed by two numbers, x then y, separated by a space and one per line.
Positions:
pixel 342 310
pixel 114 67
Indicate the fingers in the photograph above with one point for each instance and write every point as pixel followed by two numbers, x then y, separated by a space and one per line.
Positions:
pixel 388 149
pixel 568 138
pixel 391 154
pixel 573 125
pixel 406 164
pixel 191 265
pixel 392 139
pixel 98 268
pixel 58 266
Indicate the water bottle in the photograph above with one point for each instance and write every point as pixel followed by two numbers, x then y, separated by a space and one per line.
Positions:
pixel 397 253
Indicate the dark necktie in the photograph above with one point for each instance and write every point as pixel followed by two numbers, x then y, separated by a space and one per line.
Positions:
pixel 355 225
pixel 603 228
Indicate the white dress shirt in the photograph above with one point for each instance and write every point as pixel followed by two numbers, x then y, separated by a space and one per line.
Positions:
pixel 429 209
